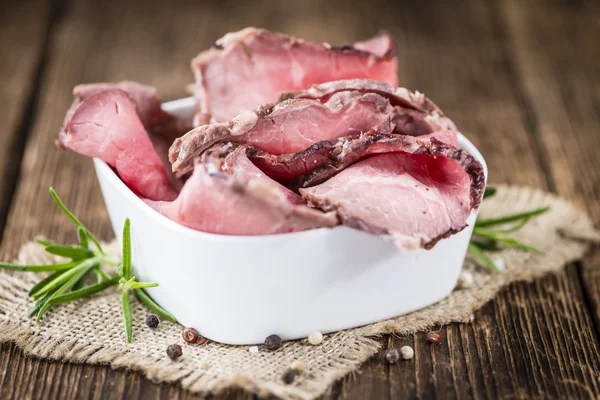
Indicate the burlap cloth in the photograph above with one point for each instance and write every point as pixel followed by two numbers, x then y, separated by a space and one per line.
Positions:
pixel 91 331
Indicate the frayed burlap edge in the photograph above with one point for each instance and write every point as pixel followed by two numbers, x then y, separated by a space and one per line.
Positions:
pixel 91 332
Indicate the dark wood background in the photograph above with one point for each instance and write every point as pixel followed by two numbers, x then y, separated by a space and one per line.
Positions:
pixel 520 77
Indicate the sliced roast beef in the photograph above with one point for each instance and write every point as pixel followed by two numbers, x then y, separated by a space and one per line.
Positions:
pixel 227 194
pixel 414 113
pixel 105 125
pixel 252 67
pixel 413 194
pixel 288 127
pixel 145 98
pixel 323 159
pixel 148 107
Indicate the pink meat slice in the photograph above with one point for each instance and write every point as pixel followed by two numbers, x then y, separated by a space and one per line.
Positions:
pixel 145 98
pixel 318 162
pixel 414 113
pixel 288 127
pixel 106 126
pixel 252 67
pixel 413 197
pixel 232 196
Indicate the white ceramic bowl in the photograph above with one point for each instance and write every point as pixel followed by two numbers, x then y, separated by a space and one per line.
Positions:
pixel 241 289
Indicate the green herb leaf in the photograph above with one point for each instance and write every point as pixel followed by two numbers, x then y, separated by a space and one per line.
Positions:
pixel 489 192
pixel 36 308
pixel 516 227
pixel 79 284
pixel 44 242
pixel 487 261
pixel 62 279
pixel 492 235
pixel 485 244
pixel 126 312
pixel 40 268
pixel 83 270
pixel 84 292
pixel 73 218
pixel 72 252
pixel 152 306
pixel 511 217
pixel 142 285
pixel 45 281
pixel 127 249
pixel 83 237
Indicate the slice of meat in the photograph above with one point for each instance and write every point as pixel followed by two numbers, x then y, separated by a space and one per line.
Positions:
pixel 106 126
pixel 288 127
pixel 145 98
pixel 414 194
pixel 415 114
pixel 227 194
pixel 249 68
pixel 321 160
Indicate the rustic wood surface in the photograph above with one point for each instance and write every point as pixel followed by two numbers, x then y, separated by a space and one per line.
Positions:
pixel 521 79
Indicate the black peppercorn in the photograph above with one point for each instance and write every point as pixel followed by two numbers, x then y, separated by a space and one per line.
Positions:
pixel 174 351
pixel 152 321
pixel 288 376
pixel 190 335
pixel 273 342
pixel 392 356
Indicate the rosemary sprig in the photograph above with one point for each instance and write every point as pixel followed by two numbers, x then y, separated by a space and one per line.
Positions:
pixel 66 283
pixel 155 308
pixel 488 236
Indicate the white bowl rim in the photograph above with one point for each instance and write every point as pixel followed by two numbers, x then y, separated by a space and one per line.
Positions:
pixel 179 104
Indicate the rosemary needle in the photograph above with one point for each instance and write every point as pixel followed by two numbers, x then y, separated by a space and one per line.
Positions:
pixel 483 257
pixel 72 252
pixel 511 218
pixel 40 268
pixel 126 312
pixel 45 281
pixel 155 308
pixel 127 249
pixel 73 218
pixel 83 237
pixel 85 291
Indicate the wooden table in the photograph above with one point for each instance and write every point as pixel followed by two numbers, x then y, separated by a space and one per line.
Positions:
pixel 521 78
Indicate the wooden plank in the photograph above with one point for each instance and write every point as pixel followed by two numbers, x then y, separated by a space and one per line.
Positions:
pixel 558 57
pixel 21 56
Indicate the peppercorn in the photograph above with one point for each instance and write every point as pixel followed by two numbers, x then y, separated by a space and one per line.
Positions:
pixel 392 356
pixel 190 335
pixel 152 321
pixel 315 338
pixel 288 376
pixel 407 352
pixel 433 337
pixel 273 342
pixel 174 351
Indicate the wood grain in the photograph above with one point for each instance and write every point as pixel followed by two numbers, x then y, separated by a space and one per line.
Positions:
pixel 489 65
pixel 558 57
pixel 19 70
